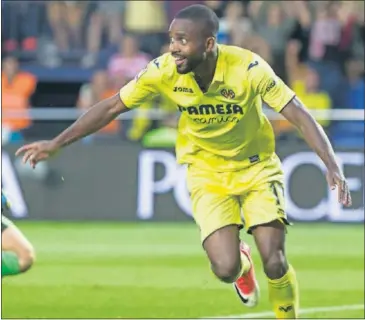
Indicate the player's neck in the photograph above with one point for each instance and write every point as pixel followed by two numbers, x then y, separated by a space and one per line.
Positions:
pixel 204 73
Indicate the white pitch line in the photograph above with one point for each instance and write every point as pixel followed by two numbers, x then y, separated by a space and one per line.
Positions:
pixel 301 311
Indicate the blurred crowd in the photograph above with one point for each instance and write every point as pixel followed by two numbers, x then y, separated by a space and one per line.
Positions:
pixel 316 47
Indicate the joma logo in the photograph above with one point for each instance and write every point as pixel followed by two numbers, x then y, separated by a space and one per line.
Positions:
pixel 182 89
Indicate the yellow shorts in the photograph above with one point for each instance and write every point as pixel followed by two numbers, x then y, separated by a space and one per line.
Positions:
pixel 219 198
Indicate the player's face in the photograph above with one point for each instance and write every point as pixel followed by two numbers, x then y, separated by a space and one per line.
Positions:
pixel 188 45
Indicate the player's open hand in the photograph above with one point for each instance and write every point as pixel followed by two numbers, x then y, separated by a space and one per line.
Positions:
pixel 37 151
pixel 335 178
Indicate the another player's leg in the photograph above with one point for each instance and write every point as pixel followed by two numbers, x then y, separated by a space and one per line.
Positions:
pixel 283 286
pixel 17 254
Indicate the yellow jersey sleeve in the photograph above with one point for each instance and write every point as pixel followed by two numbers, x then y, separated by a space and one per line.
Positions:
pixel 142 88
pixel 273 91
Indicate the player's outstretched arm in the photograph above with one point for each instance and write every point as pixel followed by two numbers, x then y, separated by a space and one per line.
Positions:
pixel 143 87
pixel 317 139
pixel 282 99
pixel 91 121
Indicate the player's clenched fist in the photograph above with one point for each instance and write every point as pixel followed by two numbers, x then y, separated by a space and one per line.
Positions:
pixel 37 151
pixel 335 178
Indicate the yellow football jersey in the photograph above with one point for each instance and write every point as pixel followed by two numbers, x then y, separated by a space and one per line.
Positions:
pixel 223 129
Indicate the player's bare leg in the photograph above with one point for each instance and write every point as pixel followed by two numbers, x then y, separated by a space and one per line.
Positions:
pixel 231 262
pixel 283 288
pixel 223 250
pixel 17 252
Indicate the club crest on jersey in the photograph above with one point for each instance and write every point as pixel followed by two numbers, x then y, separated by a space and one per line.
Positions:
pixel 229 94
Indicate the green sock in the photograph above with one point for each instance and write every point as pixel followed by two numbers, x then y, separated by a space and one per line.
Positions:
pixel 9 263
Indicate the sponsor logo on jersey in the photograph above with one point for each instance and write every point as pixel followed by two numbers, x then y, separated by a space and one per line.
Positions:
pixel 220 113
pixel 208 109
pixel 182 89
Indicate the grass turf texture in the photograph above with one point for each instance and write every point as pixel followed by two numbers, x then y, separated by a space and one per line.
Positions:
pixel 103 270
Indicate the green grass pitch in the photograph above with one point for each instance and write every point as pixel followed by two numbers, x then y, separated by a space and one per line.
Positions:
pixel 151 270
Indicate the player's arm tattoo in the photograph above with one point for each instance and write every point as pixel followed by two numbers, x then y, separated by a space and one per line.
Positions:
pixel 92 120
pixel 298 115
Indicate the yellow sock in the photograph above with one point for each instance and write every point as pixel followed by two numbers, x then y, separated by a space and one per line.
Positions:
pixel 284 295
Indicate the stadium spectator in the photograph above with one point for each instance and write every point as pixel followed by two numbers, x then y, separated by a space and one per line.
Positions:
pixel 234 27
pixel 349 134
pixel 106 18
pixel 217 6
pixel 326 55
pixel 325 35
pixel 21 21
pixel 257 44
pixel 298 43
pixel 272 24
pixel 148 21
pixel 98 89
pixel 128 62
pixel 66 20
pixel 351 15
pixel 355 74
pixel 173 7
pixel 17 88
pixel 309 92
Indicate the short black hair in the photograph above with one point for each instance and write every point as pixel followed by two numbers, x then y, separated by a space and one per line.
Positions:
pixel 201 13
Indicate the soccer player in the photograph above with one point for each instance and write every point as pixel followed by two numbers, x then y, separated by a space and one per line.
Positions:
pixel 228 145
pixel 17 254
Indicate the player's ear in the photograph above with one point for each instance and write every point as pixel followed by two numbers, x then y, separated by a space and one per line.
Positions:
pixel 210 44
